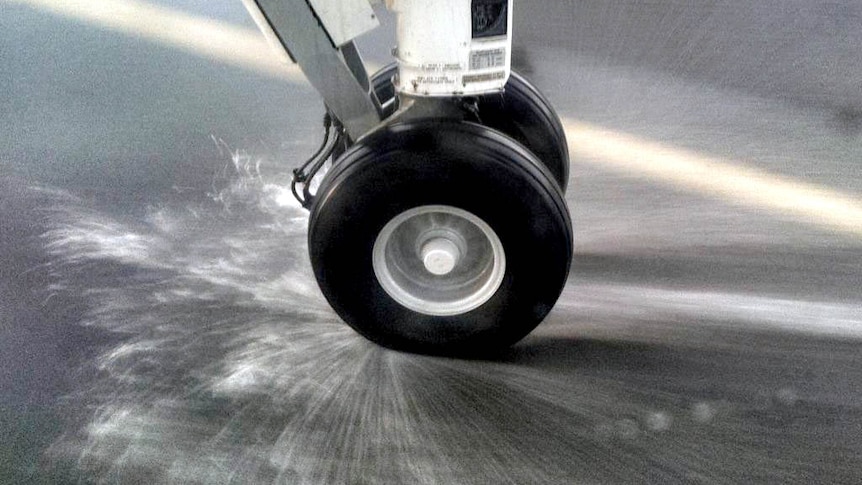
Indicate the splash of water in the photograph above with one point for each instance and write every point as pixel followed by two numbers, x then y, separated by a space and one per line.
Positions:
pixel 229 367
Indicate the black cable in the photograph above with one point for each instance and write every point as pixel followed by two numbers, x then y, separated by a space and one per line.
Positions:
pixel 300 172
pixel 299 175
pixel 303 175
pixel 306 189
pixel 471 106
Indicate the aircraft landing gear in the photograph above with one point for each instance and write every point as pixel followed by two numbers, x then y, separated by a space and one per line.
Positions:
pixel 441 237
pixel 442 225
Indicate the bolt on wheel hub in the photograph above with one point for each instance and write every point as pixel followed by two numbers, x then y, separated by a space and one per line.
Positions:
pixel 440 256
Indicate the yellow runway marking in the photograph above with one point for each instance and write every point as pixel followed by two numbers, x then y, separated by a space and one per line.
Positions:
pixel 608 149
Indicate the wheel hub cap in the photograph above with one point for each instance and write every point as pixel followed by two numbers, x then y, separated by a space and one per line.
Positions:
pixel 440 256
pixel 439 260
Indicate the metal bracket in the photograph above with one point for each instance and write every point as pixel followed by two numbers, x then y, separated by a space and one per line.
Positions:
pixel 336 72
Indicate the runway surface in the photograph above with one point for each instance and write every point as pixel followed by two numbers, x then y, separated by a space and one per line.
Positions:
pixel 159 322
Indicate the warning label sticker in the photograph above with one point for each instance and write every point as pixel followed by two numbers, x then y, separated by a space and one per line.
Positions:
pixel 479 78
pixel 487 59
pixel 440 66
pixel 433 80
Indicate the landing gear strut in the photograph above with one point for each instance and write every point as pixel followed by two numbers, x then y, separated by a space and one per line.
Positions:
pixel 442 226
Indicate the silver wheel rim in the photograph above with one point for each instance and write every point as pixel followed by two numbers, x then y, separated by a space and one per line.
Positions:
pixel 439 260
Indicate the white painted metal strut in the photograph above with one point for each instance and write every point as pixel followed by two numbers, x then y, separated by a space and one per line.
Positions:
pixel 445 49
pixel 335 71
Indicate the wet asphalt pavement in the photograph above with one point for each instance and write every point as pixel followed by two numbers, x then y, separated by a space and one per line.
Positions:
pixel 159 322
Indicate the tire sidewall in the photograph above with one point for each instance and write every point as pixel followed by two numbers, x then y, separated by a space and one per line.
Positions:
pixel 442 163
pixel 521 111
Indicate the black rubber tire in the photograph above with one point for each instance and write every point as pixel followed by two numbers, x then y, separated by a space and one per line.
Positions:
pixel 521 111
pixel 440 162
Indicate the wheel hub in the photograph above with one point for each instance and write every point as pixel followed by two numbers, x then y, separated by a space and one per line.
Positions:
pixel 439 260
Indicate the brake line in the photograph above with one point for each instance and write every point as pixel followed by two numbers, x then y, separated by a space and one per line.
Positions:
pixel 308 170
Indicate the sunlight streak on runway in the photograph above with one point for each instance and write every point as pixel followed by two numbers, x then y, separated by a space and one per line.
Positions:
pixel 208 38
pixel 712 176
pixel 727 180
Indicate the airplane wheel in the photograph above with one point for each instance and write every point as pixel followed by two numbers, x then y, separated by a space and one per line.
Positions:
pixel 521 112
pixel 440 237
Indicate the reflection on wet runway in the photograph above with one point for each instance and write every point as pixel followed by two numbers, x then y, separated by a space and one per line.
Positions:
pixel 160 323
pixel 227 366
